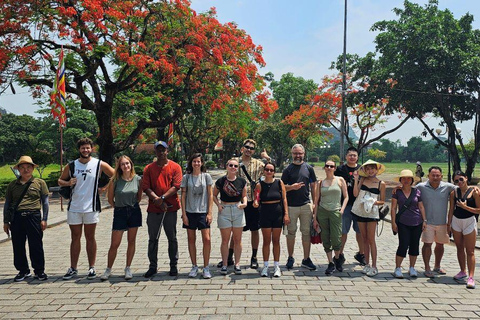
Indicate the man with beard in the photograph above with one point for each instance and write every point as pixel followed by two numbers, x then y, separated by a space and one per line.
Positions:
pixel 299 179
pixel 161 182
pixel 84 205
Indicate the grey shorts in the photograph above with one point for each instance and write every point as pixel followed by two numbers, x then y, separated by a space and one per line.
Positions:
pixel 231 217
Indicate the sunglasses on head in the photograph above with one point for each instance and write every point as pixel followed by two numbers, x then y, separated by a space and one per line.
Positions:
pixel 249 148
pixel 233 165
pixel 330 166
pixel 458 180
pixel 269 170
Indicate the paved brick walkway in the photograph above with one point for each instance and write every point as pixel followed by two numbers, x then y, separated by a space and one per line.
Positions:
pixel 298 294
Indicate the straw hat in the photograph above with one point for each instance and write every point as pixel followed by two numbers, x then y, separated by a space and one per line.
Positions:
pixel 25 159
pixel 380 168
pixel 406 174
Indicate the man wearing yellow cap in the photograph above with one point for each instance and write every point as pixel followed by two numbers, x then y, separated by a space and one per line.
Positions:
pixel 25 198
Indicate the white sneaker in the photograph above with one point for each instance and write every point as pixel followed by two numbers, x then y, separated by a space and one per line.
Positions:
pixel 277 273
pixel 106 274
pixel 398 273
pixel 372 272
pixel 366 269
pixel 193 272
pixel 128 273
pixel 206 273
pixel 412 272
pixel 264 272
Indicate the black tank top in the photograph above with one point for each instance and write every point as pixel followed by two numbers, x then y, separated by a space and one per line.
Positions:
pixel 270 191
pixel 461 213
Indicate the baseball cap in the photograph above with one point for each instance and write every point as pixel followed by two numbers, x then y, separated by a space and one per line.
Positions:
pixel 160 143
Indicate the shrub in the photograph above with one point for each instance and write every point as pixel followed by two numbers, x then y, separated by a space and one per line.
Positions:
pixel 210 164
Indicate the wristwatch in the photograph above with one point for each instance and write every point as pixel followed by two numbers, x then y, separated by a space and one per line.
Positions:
pixel 163 198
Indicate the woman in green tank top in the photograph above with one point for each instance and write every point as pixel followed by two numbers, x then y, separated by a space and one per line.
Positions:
pixel 329 214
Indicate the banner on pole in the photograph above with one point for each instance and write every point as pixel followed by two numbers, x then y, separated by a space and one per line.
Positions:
pixel 57 98
pixel 170 135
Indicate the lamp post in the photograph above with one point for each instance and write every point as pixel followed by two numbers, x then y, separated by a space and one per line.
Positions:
pixel 344 86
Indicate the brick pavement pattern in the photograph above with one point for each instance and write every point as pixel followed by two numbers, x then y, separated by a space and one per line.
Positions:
pixel 298 294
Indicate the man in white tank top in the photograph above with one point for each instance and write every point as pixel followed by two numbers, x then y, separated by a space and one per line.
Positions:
pixel 84 205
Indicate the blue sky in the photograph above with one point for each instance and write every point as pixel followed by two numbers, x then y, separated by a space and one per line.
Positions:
pixel 302 37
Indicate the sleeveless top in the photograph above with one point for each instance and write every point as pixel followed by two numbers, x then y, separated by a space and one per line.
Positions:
pixel 270 191
pixel 461 213
pixel 85 196
pixel 363 205
pixel 330 196
pixel 126 192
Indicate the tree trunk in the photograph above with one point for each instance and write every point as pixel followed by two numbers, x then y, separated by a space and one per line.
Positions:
pixel 106 149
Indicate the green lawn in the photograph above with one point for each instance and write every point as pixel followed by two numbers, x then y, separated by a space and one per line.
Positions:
pixel 7 174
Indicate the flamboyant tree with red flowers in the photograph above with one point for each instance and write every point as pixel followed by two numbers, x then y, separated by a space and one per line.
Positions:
pixel 153 62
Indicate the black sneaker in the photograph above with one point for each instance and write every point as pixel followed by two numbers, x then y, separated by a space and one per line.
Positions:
pixel 224 270
pixel 341 257
pixel 150 273
pixel 229 263
pixel 330 269
pixel 338 264
pixel 237 270
pixel 22 276
pixel 360 257
pixel 173 271
pixel 41 276
pixel 290 262
pixel 91 273
pixel 307 263
pixel 254 263
pixel 71 272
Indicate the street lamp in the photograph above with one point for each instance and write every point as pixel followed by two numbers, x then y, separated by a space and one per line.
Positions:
pixel 439 133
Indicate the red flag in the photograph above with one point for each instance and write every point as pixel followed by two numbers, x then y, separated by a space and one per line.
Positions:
pixel 57 98
pixel 170 135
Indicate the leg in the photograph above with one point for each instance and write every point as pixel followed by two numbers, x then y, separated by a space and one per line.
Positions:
pixel 207 246
pixel 371 228
pixel 276 232
pixel 255 242
pixel 469 241
pixel 153 222
pixel 459 243
pixel 237 240
pixel 293 213
pixel 403 241
pixel 192 248
pixel 347 220
pixel 225 234
pixel 324 222
pixel 305 217
pixel 91 243
pixel 131 238
pixel 413 247
pixel 116 239
pixel 366 248
pixel 439 250
pixel 336 232
pixel 426 254
pixel 170 228
pixel 19 237
pixel 267 238
pixel 75 245
pixel 35 243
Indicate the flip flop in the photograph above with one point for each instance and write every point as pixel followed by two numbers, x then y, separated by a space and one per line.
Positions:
pixel 429 274
pixel 440 270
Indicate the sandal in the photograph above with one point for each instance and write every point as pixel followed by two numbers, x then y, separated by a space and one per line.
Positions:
pixel 429 274
pixel 440 270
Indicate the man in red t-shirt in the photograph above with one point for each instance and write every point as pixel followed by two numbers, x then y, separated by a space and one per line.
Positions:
pixel 161 181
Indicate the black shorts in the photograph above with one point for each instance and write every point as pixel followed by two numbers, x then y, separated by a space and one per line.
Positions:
pixel 252 217
pixel 196 221
pixel 271 215
pixel 128 217
pixel 363 219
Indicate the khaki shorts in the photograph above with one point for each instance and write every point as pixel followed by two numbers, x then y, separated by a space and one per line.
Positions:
pixel 304 213
pixel 436 234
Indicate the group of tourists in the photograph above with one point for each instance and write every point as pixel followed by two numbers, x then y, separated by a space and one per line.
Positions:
pixel 248 198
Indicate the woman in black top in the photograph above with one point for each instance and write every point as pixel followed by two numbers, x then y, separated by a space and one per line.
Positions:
pixel 270 195
pixel 462 220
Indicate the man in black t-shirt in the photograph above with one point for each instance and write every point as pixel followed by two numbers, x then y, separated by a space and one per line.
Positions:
pixel 346 172
pixel 299 179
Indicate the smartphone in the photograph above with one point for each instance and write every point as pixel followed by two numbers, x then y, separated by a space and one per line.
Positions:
pixel 285 229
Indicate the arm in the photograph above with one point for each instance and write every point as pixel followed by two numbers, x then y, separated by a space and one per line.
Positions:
pixel 65 180
pixel 210 204
pixel 424 216
pixel 107 169
pixel 286 217
pixel 313 191
pixel 357 185
pixel 243 202
pixel 216 191
pixel 183 202
pixel 258 189
pixel 393 213
pixel 140 191
pixel 381 201
pixel 111 194
pixel 6 225
pixel 345 194
pixel 45 209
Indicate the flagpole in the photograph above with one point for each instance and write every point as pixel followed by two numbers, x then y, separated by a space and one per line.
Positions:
pixel 61 160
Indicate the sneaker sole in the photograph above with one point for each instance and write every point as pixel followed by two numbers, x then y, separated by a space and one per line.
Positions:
pixel 309 268
pixel 91 277
pixel 68 277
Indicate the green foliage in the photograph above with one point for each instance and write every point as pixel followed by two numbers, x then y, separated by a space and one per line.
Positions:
pixel 376 154
pixel 210 164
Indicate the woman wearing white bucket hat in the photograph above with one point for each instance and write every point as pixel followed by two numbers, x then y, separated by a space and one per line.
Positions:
pixel 370 194
pixel 409 221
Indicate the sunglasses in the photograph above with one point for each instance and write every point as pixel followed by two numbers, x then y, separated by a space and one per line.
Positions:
pixel 249 148
pixel 233 165
pixel 269 170
pixel 458 180
pixel 329 166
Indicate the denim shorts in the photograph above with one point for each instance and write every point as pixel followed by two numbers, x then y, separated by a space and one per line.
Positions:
pixel 231 217
pixel 348 219
pixel 127 217
pixel 196 221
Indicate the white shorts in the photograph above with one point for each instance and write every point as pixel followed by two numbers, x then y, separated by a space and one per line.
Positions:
pixel 465 226
pixel 76 218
